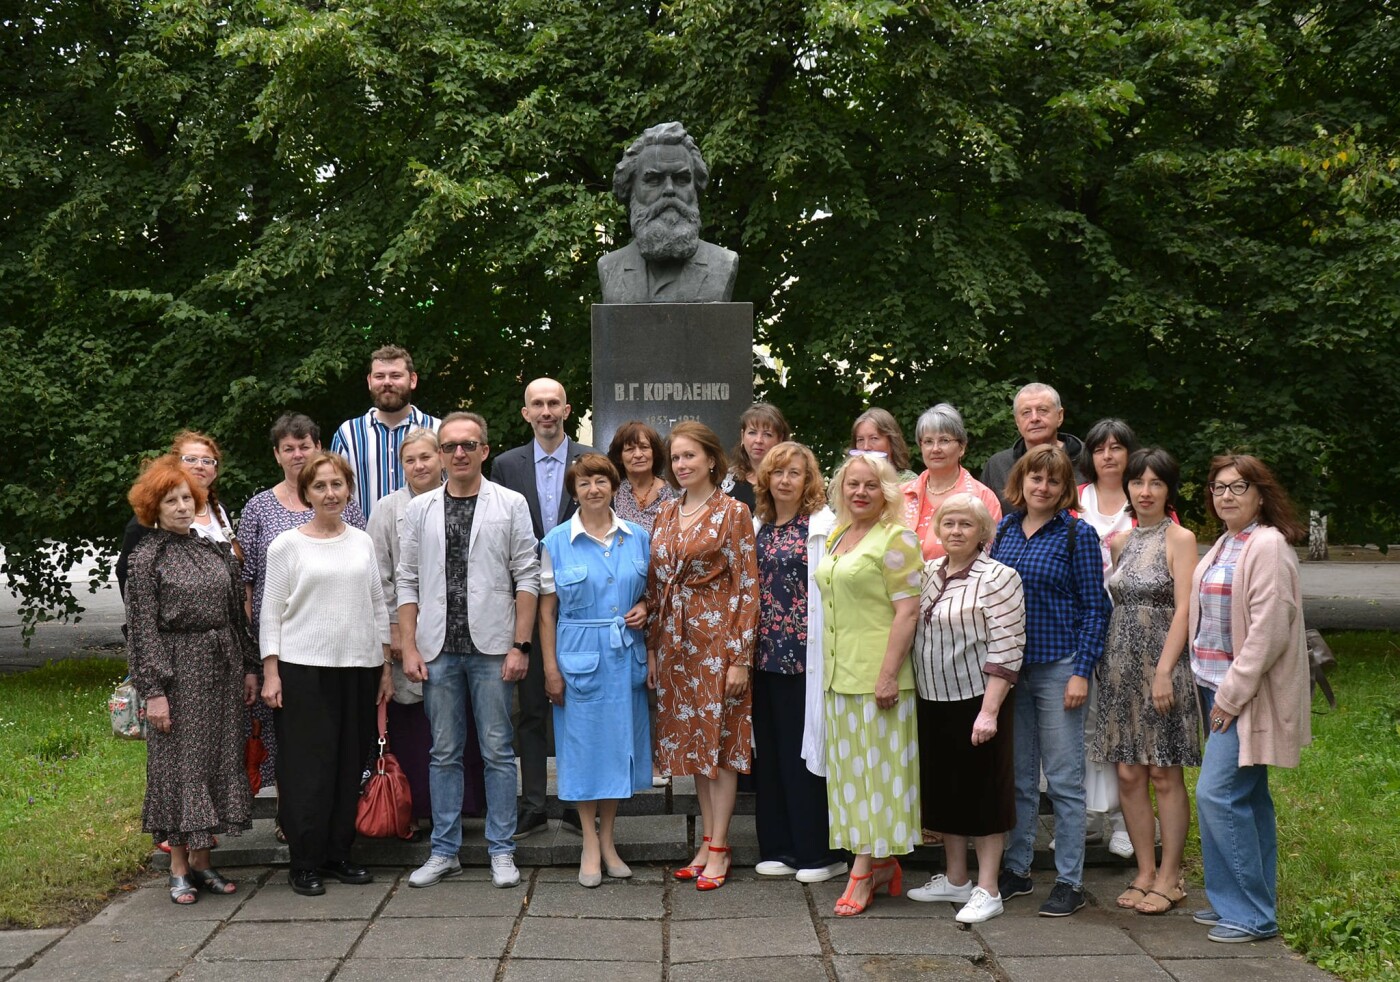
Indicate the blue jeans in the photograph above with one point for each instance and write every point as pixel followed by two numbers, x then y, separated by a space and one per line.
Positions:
pixel 1239 836
pixel 1051 737
pixel 452 678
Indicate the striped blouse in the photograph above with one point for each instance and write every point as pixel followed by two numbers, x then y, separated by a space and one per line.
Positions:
pixel 971 624
pixel 1213 648
pixel 372 449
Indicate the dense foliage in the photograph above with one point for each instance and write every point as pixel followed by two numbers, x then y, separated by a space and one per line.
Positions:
pixel 1182 213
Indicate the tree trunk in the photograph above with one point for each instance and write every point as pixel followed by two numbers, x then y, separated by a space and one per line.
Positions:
pixel 1317 536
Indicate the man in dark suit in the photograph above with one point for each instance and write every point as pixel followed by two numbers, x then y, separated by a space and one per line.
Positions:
pixel 536 470
pixel 659 179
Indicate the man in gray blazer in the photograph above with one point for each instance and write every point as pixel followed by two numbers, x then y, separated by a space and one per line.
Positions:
pixel 468 580
pixel 536 471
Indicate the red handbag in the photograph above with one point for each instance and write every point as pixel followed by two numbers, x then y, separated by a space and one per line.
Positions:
pixel 386 806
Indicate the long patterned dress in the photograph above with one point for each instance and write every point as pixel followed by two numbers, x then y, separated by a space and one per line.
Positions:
pixel 1130 730
pixel 702 591
pixel 188 640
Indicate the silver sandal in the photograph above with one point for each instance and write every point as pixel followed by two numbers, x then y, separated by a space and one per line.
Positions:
pixel 183 891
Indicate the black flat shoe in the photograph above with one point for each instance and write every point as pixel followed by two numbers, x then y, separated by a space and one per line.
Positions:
pixel 306 882
pixel 346 872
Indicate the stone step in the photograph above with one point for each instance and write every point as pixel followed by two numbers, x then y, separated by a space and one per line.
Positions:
pixel 663 839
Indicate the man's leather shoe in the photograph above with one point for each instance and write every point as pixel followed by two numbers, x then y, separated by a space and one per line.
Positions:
pixel 572 820
pixel 306 882
pixel 528 823
pixel 346 872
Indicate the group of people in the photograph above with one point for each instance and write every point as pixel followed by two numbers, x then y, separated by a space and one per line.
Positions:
pixel 888 655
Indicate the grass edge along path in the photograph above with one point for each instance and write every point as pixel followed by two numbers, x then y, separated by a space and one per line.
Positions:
pixel 70 808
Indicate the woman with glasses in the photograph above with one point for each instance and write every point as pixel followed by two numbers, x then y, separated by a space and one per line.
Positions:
pixel 942 440
pixel 869 579
pixel 875 431
pixel 1250 661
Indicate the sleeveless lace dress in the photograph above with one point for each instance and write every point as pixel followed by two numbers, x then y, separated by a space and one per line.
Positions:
pixel 1130 730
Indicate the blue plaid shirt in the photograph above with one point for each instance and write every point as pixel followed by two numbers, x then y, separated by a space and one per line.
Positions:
pixel 1067 607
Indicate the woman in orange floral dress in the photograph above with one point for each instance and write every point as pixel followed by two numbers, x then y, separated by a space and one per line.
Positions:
pixel 702 590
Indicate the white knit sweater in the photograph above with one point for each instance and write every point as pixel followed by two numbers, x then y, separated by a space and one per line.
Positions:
pixel 323 603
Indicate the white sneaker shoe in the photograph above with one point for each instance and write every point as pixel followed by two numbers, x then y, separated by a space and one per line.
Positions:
pixel 503 871
pixel 436 868
pixel 820 874
pixel 982 907
pixel 774 867
pixel 1120 845
pixel 938 888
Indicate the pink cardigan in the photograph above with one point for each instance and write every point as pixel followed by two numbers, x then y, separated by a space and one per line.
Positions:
pixel 1266 688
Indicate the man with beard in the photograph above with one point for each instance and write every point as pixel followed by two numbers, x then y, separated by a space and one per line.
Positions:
pixel 371 442
pixel 659 179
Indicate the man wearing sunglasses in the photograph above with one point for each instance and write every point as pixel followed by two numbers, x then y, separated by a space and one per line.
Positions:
pixel 468 579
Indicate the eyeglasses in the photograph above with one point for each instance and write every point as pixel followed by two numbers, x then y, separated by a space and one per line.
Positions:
pixel 467 446
pixel 1236 488
pixel 853 452
pixel 938 442
pixel 190 458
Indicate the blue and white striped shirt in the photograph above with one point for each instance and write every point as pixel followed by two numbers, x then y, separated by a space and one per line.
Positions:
pixel 373 452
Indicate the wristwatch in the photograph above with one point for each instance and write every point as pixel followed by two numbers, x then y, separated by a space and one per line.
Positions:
pixel 523 646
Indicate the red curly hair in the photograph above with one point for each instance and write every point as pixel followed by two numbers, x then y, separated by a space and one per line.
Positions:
pixel 158 478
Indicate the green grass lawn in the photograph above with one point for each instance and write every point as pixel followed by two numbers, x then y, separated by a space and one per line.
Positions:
pixel 70 808
pixel 70 795
pixel 1339 819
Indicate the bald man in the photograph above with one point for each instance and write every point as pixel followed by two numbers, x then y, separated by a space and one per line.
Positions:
pixel 536 470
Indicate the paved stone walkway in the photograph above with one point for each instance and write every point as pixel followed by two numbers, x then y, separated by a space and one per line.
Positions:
pixel 647 928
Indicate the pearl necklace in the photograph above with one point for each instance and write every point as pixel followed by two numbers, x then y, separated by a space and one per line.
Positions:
pixel 933 491
pixel 696 509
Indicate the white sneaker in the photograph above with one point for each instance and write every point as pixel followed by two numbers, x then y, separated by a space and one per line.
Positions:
pixel 820 874
pixel 1120 845
pixel 503 871
pixel 436 868
pixel 982 907
pixel 1052 845
pixel 773 867
pixel 938 888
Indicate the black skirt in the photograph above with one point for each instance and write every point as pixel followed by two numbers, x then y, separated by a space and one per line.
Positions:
pixel 966 790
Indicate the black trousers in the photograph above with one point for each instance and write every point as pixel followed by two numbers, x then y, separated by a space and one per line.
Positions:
pixel 534 732
pixel 790 808
pixel 326 730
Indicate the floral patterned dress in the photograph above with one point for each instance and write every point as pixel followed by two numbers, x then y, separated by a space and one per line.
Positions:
pixel 188 641
pixel 702 591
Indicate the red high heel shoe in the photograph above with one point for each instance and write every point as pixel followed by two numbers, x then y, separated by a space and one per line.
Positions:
pixel 691 872
pixel 848 899
pixel 703 882
pixel 895 882
pixel 895 879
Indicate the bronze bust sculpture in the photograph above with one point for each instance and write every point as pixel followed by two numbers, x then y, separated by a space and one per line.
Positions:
pixel 659 179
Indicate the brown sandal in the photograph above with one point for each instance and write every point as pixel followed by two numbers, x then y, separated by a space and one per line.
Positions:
pixel 1130 904
pixel 1154 909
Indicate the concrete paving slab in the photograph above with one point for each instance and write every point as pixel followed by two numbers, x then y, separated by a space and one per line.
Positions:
pixel 436 937
pixel 743 839
pixel 539 970
pixel 1291 969
pixel 104 948
pixel 739 898
pixel 1092 931
pixel 614 899
pixel 804 968
pixel 17 947
pixel 286 941
pixel 565 938
pixel 1077 968
pixel 874 936
pixel 468 895
pixel 341 902
pixel 1175 935
pixel 302 971
pixel 417 970
pixel 910 968
pixel 719 939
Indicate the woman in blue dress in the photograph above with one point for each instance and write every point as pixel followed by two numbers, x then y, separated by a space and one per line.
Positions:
pixel 594 570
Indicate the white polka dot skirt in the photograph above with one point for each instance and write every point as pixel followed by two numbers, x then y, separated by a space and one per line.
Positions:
pixel 872 785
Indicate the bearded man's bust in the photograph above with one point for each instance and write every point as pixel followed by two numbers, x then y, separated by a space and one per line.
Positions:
pixel 660 178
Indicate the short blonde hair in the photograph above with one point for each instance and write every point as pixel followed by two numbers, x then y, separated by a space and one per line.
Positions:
pixel 893 512
pixel 420 435
pixel 967 504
